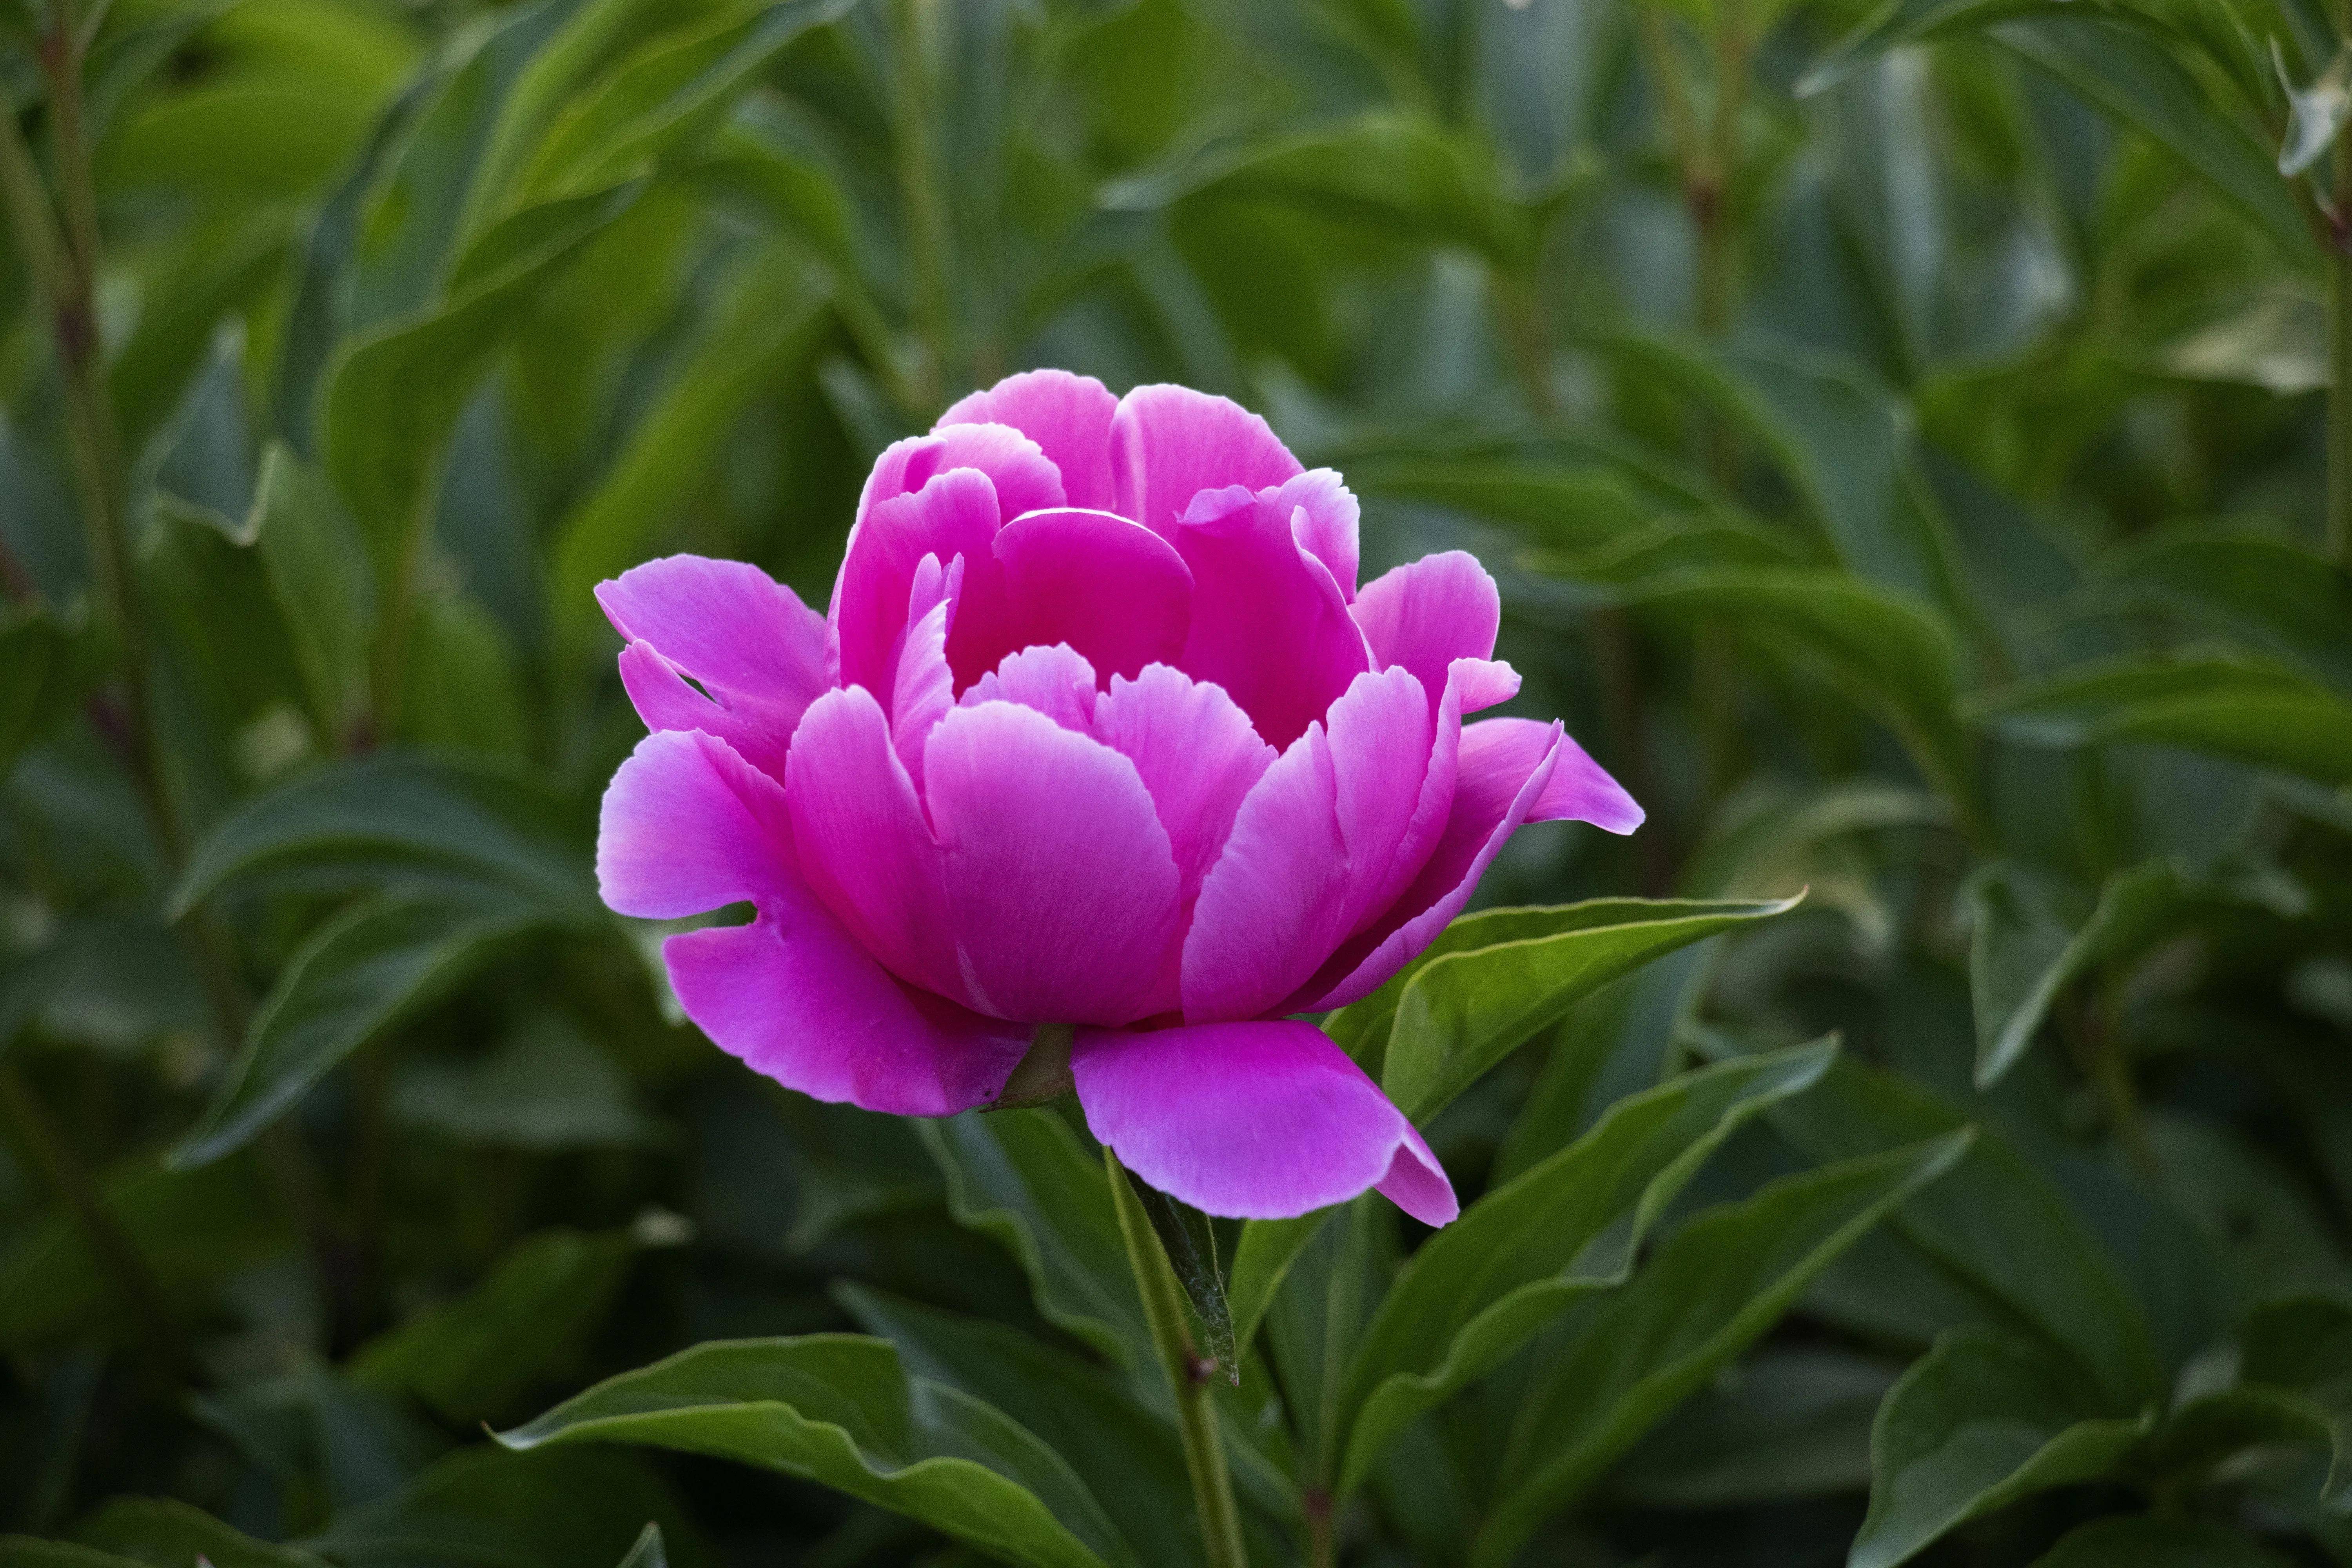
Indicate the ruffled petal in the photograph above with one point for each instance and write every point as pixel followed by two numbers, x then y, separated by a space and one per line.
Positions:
pixel 954 514
pixel 687 826
pixel 1056 681
pixel 793 997
pixel 1196 754
pixel 1502 770
pixel 1167 444
pixel 1021 474
pixel 757 652
pixel 1323 518
pixel 1111 589
pixel 1068 415
pixel 1058 873
pixel 1268 623
pixel 863 846
pixel 1255 1121
pixel 1428 612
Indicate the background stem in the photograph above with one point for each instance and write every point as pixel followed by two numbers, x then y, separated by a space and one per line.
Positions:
pixel 1189 1375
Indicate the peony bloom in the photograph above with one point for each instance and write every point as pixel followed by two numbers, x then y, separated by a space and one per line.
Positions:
pixel 1097 730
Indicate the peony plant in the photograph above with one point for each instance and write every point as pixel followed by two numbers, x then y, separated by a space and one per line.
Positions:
pixel 1098 768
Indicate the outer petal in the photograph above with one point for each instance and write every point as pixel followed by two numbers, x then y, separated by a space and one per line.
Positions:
pixel 687 826
pixel 1581 791
pixel 1197 756
pixel 1428 612
pixel 1068 415
pixel 1268 623
pixel 1059 874
pixel 1323 519
pixel 1113 590
pixel 863 844
pixel 1259 1120
pixel 955 514
pixel 747 640
pixel 1503 769
pixel 1167 444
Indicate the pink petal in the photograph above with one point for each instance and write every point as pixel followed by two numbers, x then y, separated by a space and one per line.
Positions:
pixel 1068 415
pixel 1579 790
pixel 1111 589
pixel 1258 1120
pixel 746 639
pixel 1381 736
pixel 954 514
pixel 923 689
pixel 794 997
pixel 1323 519
pixel 1058 873
pixel 1197 756
pixel 1268 623
pixel 1428 613
pixel 688 826
pixel 1167 444
pixel 1274 905
pixel 1019 472
pixel 863 845
pixel 1056 681
pixel 1503 769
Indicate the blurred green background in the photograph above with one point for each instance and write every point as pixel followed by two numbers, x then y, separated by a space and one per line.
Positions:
pixel 1902 434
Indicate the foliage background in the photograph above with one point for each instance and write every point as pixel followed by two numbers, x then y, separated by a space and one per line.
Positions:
pixel 1902 435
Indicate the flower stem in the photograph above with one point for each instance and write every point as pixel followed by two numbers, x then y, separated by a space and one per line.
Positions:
pixel 1190 1374
pixel 2339 228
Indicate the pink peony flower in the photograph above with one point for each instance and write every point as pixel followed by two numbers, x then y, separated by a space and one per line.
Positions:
pixel 1099 730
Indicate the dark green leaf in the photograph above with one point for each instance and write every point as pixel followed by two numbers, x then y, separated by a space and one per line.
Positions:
pixel 171 1534
pixel 1190 1239
pixel 47 664
pixel 484 1506
pixel 2144 1541
pixel 2285 601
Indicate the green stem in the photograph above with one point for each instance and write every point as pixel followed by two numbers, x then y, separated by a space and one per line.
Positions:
pixel 118 1256
pixel 1190 1374
pixel 2339 358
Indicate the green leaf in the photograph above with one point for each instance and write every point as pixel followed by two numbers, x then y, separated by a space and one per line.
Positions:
pixel 1569 1227
pixel 484 1505
pixel 2230 706
pixel 1788 1424
pixel 671 90
pixel 544 1088
pixel 2316 114
pixel 379 962
pixel 317 568
pixel 436 814
pixel 392 396
pixel 47 664
pixel 1129 1458
pixel 1190 1239
pixel 24 1551
pixel 2210 1436
pixel 1261 1261
pixel 1717 1285
pixel 1892 657
pixel 2145 1541
pixel 470 1358
pixel 1492 979
pixel 171 1534
pixel 1021 1177
pixel 1978 1423
pixel 1894 23
pixel 1562 508
pixel 2131 75
pixel 774 319
pixel 2027 945
pixel 840 1410
pixel 647 1552
pixel 2284 601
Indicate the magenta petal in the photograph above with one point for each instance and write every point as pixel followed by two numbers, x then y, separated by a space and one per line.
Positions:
pixel 923 689
pixel 1268 623
pixel 688 826
pixel 794 997
pixel 1068 415
pixel 1020 473
pixel 1112 589
pixel 1428 613
pixel 1323 519
pixel 1056 681
pixel 1502 771
pixel 1579 790
pixel 1197 756
pixel 1167 444
pixel 1059 874
pixel 1254 1120
pixel 863 845
pixel 955 514
pixel 1381 732
pixel 746 639
pixel 1274 905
